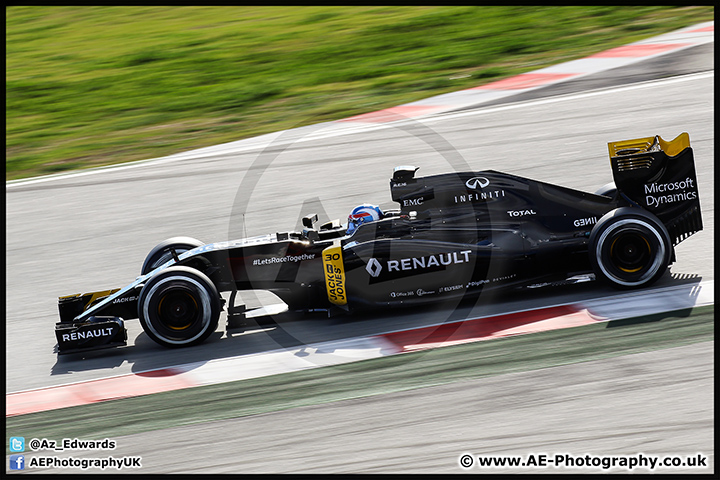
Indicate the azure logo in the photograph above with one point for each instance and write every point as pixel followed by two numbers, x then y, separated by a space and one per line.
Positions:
pixel 477 182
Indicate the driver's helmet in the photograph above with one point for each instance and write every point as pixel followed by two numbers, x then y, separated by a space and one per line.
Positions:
pixel 363 214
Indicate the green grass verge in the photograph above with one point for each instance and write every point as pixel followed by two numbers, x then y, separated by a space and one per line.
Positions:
pixel 369 377
pixel 89 86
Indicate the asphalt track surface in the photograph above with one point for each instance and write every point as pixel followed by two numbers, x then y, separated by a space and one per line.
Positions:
pixel 86 233
pixel 597 408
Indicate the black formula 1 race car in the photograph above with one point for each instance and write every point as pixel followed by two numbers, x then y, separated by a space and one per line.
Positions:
pixel 453 235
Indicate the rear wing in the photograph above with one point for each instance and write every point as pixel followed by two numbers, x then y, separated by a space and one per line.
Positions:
pixel 659 176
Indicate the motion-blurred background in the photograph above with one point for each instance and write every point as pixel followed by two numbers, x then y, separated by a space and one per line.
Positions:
pixel 89 86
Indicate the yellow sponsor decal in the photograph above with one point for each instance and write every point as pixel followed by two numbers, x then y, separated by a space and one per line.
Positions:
pixel 91 297
pixel 334 274
pixel 69 296
pixel 643 145
pixel 97 296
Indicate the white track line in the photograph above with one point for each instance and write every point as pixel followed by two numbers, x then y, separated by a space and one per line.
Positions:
pixel 363 128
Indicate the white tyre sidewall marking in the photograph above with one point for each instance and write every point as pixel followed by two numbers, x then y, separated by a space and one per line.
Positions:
pixel 657 261
pixel 204 298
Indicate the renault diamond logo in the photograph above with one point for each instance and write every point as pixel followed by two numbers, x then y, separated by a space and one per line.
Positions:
pixel 477 182
pixel 373 267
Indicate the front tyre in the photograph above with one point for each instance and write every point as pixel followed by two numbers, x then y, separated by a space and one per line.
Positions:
pixel 629 248
pixel 179 307
pixel 164 252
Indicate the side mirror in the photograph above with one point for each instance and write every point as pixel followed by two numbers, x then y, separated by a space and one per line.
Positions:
pixel 330 225
pixel 404 173
pixel 308 220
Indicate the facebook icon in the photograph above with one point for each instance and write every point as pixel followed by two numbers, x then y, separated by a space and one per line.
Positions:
pixel 17 462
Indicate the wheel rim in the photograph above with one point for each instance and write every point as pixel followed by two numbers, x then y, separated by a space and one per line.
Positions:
pixel 630 252
pixel 178 310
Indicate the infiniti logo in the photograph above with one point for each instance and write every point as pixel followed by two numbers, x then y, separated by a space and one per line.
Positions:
pixel 477 182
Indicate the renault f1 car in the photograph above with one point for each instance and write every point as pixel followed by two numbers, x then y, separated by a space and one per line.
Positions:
pixel 454 235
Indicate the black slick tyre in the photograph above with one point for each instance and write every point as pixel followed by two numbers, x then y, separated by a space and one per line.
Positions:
pixel 164 252
pixel 629 248
pixel 607 190
pixel 179 307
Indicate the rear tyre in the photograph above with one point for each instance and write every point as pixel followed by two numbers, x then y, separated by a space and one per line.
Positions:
pixel 608 190
pixel 629 248
pixel 179 307
pixel 163 251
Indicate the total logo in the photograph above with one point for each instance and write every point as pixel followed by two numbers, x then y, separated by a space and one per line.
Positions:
pixel 520 213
